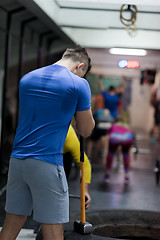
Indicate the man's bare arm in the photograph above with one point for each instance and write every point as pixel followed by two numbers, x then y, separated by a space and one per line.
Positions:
pixel 84 122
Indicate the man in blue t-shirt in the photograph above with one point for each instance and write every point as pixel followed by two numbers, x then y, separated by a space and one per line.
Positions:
pixel 49 98
pixel 111 99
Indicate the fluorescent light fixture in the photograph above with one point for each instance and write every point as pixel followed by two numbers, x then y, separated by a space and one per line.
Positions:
pixel 128 51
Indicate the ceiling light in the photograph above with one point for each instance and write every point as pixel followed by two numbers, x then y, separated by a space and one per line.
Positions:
pixel 128 51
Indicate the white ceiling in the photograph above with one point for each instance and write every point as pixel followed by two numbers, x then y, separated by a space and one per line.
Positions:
pixel 96 24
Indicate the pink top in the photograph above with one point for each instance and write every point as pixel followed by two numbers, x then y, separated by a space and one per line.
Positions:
pixel 118 129
pixel 119 133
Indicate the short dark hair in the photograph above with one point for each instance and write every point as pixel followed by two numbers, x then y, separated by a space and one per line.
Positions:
pixel 111 88
pixel 78 53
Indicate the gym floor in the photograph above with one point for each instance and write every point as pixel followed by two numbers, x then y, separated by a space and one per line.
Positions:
pixel 142 193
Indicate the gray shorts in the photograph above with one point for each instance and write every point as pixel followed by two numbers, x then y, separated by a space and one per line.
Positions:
pixel 39 186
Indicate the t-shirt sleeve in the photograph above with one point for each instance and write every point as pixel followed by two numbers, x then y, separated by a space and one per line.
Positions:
pixel 84 96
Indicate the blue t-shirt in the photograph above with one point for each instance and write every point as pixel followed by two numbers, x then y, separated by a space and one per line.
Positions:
pixel 111 103
pixel 49 98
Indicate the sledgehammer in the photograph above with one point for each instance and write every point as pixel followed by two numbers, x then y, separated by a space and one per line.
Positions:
pixel 81 226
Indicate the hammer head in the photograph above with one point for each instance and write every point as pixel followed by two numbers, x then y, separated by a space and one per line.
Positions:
pixel 83 228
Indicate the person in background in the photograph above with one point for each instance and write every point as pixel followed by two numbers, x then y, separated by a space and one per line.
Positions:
pixel 155 102
pixel 119 135
pixel 72 146
pixel 49 98
pixel 111 99
pixel 103 121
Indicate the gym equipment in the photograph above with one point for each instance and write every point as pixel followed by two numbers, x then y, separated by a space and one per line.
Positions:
pixel 81 226
pixel 140 150
pixel 157 171
pixel 137 150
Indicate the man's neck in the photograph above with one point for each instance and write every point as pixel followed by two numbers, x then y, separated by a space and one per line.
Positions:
pixel 66 63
